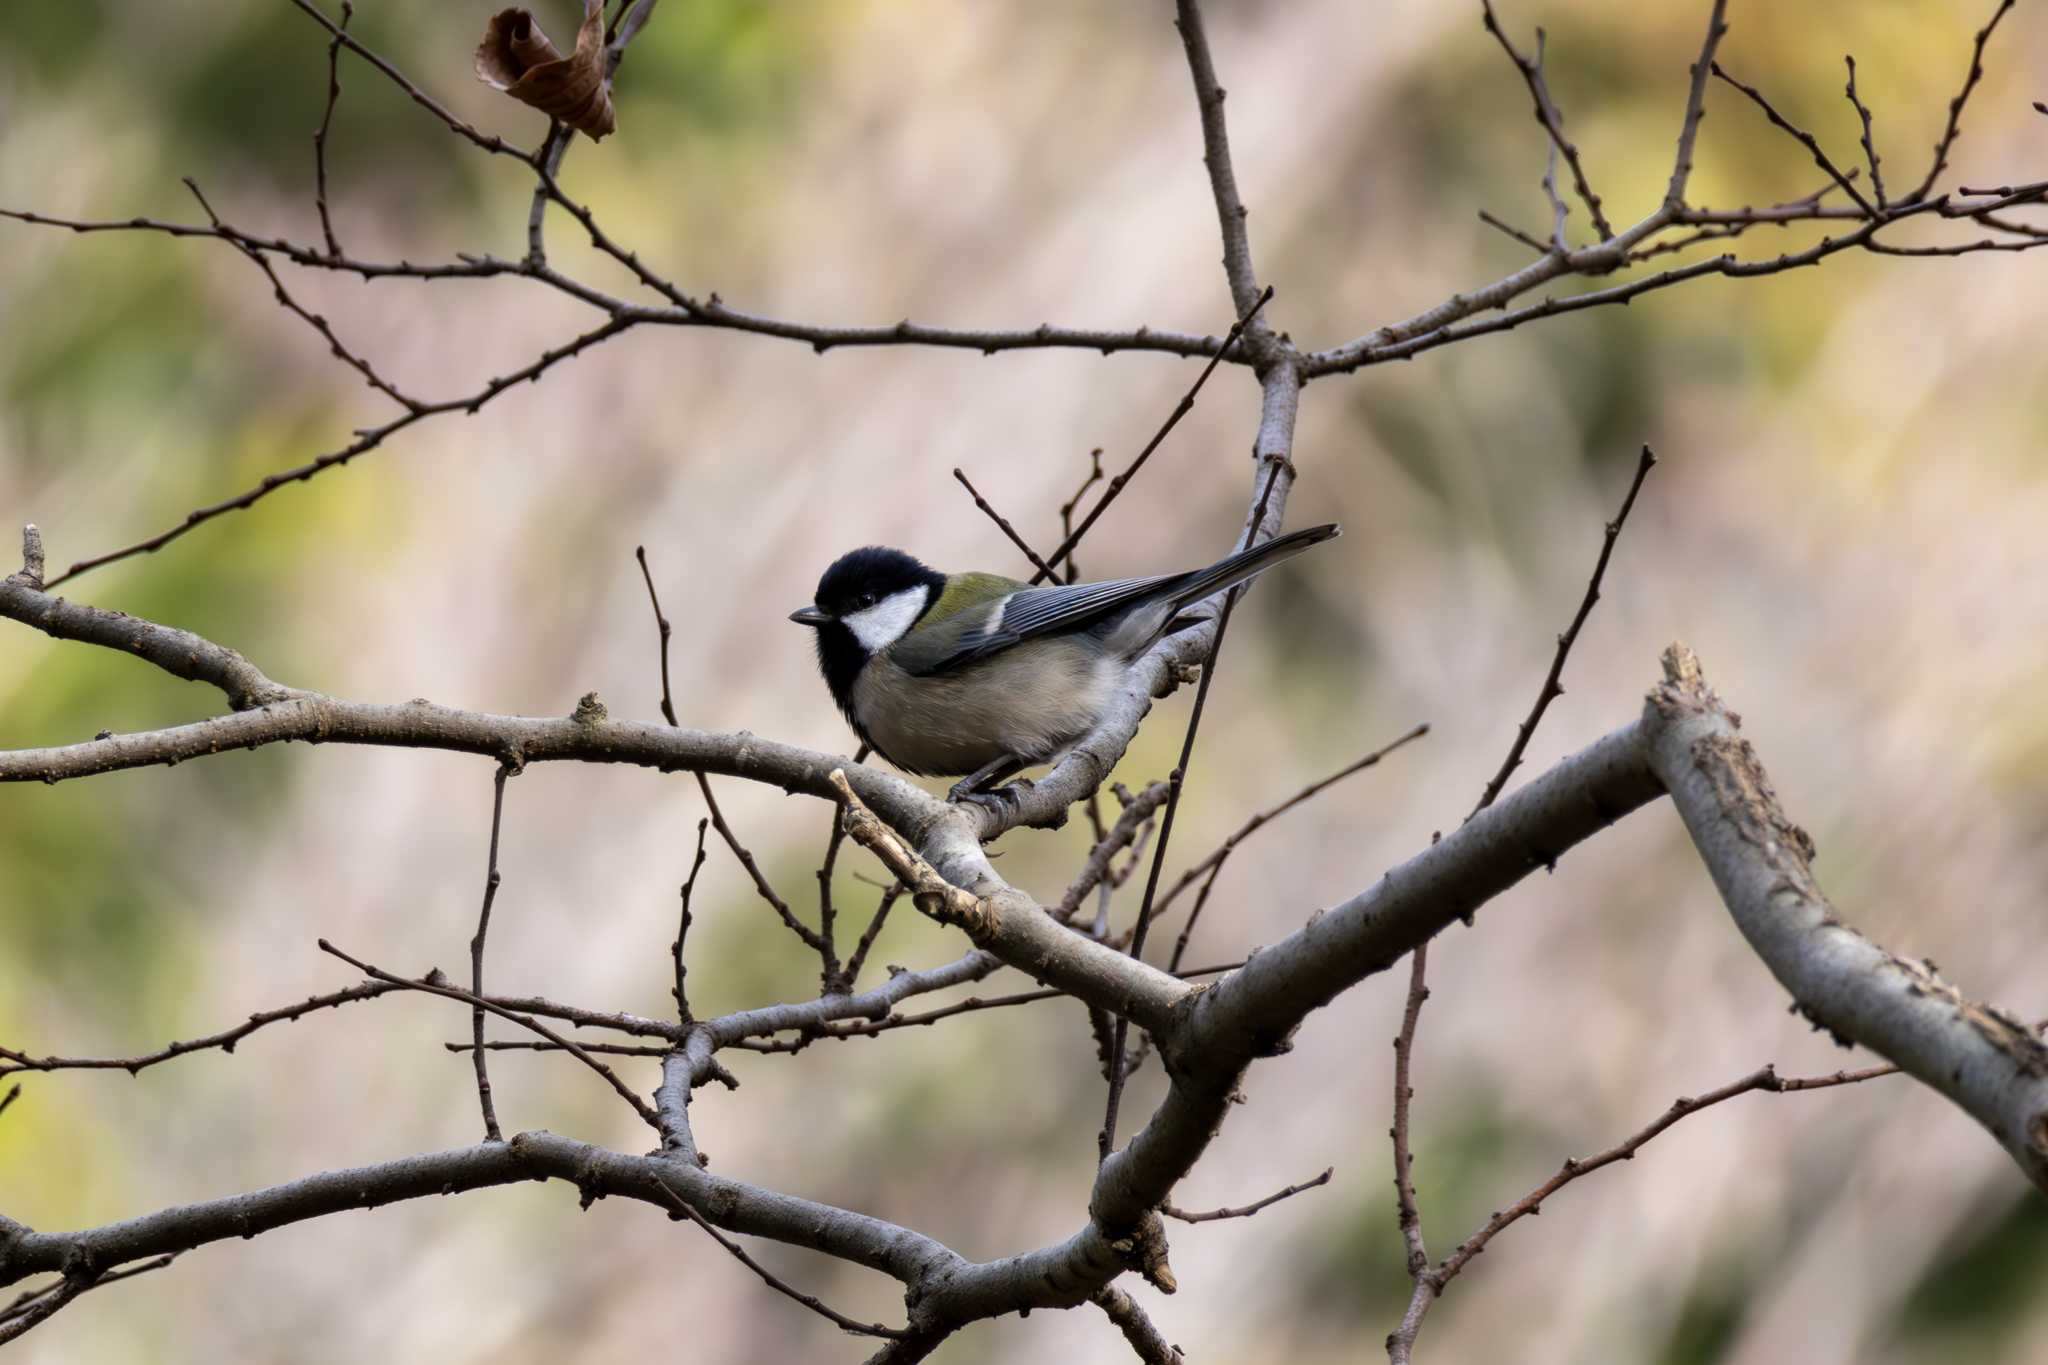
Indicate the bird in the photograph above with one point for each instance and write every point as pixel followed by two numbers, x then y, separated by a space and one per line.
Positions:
pixel 978 674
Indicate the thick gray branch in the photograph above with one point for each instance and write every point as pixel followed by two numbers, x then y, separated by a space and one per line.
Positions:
pixel 1989 1063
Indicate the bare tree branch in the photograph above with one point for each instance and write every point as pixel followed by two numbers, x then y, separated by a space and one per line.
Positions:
pixel 1553 687
pixel 348 12
pixel 1230 209
pixel 436 984
pixel 780 1286
pixel 1695 106
pixel 476 961
pixel 1954 128
pixel 1247 1210
pixel 224 1040
pixel 1047 567
pixel 1216 858
pixel 1131 1320
pixel 1869 145
pixel 1804 138
pixel 1548 115
pixel 1987 1062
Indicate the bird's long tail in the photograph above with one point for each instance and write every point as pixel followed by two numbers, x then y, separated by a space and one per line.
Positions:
pixel 1228 573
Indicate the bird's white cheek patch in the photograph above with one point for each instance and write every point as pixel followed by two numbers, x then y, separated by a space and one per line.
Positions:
pixel 884 623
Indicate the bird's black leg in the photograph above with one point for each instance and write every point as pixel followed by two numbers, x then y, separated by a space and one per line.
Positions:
pixel 973 788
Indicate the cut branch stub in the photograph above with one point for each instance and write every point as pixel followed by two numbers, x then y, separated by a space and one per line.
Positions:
pixel 1986 1061
pixel 517 58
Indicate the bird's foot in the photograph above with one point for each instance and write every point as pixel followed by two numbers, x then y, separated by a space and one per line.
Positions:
pixel 1001 802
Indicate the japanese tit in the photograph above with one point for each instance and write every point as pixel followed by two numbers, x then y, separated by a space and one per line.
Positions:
pixel 945 674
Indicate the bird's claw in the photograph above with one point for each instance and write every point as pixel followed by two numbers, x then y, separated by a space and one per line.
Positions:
pixel 1002 802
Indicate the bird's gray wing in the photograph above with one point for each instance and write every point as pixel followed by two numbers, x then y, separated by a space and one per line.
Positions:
pixel 1046 611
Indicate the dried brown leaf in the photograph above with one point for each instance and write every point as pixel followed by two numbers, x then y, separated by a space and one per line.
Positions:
pixel 517 58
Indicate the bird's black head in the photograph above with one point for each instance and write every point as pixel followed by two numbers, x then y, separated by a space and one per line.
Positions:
pixel 862 578
pixel 864 603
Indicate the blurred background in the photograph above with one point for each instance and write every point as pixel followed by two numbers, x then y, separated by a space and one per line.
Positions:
pixel 1847 526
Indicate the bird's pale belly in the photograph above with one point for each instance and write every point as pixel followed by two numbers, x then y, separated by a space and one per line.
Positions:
pixel 954 723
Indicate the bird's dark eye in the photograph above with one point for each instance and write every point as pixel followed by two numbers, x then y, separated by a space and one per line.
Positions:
pixel 864 601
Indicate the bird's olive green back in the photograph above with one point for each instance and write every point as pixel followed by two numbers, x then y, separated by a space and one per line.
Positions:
pixel 966 590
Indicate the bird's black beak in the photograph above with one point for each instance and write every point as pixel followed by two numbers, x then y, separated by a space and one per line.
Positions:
pixel 809 616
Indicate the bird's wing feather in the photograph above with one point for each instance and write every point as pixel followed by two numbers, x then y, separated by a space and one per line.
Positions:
pixel 1045 611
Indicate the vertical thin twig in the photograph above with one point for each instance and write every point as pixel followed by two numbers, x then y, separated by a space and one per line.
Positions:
pixel 1954 128
pixel 833 978
pixel 1175 783
pixel 552 149
pixel 1067 510
pixel 1695 108
pixel 476 961
pixel 874 931
pixel 683 925
pixel 1404 1157
pixel 1180 945
pixel 348 12
pixel 1869 145
pixel 1401 1342
pixel 1548 114
pixel 1230 210
pixel 668 705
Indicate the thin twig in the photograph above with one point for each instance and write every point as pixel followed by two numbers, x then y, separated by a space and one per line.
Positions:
pixel 1695 110
pixel 890 895
pixel 348 12
pixel 29 1297
pixel 1137 811
pixel 1176 783
pixel 1869 145
pixel 314 320
pixel 40 1306
pixel 1552 687
pixel 552 149
pixel 1803 138
pixel 1954 128
pixel 476 960
pixel 497 146
pixel 832 976
pixel 15 1062
pixel 436 984
pixel 1045 570
pixel 1230 210
pixel 1067 509
pixel 1247 1210
pixel 366 440
pixel 776 903
pixel 1180 410
pixel 1764 1078
pixel 668 704
pixel 768 1277
pixel 1408 1214
pixel 603 1049
pixel 1540 248
pixel 1548 114
pixel 7 1100
pixel 1251 826
pixel 1187 931
pixel 679 990
pixel 1401 1342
